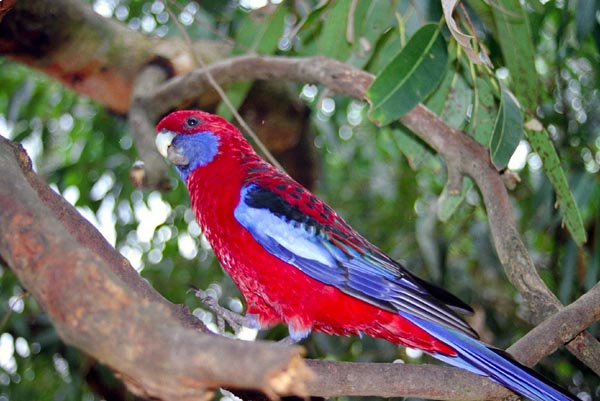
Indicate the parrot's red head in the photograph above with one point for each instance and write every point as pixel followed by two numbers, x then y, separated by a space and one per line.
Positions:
pixel 190 139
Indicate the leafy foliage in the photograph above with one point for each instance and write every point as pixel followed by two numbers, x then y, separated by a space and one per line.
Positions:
pixel 385 181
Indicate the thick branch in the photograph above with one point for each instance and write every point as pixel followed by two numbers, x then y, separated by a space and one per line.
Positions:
pixel 460 151
pixel 155 173
pixel 333 379
pixel 560 329
pixel 95 56
pixel 336 379
pixel 93 309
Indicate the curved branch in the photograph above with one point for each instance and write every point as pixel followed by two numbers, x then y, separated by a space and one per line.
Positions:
pixel 155 173
pixel 98 57
pixel 460 151
pixel 99 304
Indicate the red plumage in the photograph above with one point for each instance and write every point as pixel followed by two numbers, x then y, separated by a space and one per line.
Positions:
pixel 297 261
pixel 274 290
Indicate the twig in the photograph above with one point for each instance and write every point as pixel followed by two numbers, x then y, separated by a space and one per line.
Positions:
pixel 11 308
pixel 217 87
pixel 560 329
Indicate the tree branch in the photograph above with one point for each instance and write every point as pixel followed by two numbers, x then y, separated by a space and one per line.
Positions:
pixel 462 153
pixel 99 304
pixel 561 328
pixel 95 56
pixel 335 379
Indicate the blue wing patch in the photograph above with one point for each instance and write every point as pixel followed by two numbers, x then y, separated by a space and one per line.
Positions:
pixel 316 249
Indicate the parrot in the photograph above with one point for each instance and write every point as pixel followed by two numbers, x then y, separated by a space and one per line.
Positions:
pixel 297 262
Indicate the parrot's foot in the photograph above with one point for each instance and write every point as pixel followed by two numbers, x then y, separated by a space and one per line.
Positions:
pixel 234 320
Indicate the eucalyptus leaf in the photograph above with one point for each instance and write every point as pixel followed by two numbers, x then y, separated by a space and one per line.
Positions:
pixel 410 77
pixel 386 49
pixel 518 51
pixel 542 145
pixel 371 19
pixel 448 203
pixel 508 130
pixel 485 111
pixel 458 102
pixel 332 41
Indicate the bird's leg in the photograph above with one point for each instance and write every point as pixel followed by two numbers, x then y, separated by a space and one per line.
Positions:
pixel 235 320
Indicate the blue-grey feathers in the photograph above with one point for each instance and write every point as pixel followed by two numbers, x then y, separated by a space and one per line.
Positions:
pixel 200 148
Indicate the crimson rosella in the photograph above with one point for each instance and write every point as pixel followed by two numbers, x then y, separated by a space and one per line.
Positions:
pixel 297 261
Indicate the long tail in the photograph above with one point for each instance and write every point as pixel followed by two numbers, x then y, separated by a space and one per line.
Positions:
pixel 498 365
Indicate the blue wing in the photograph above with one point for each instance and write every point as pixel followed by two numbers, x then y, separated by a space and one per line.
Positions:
pixel 327 249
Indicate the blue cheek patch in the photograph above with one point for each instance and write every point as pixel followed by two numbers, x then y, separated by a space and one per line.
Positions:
pixel 200 149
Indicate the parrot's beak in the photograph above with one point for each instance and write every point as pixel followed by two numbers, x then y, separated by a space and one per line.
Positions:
pixel 165 147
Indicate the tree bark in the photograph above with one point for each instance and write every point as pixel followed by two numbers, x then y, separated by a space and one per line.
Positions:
pixel 95 56
pixel 99 304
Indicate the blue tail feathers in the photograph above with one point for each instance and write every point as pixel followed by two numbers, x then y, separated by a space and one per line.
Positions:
pixel 498 365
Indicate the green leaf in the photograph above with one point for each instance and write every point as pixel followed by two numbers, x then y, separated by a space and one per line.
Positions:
pixel 410 77
pixel 508 130
pixel 314 15
pixel 514 37
pixel 332 41
pixel 485 111
pixel 449 203
pixel 417 154
pixel 258 33
pixel 261 31
pixel 386 50
pixel 452 99
pixel 371 19
pixel 542 145
pixel 437 100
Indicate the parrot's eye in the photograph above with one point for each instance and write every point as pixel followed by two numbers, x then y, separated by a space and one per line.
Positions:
pixel 192 122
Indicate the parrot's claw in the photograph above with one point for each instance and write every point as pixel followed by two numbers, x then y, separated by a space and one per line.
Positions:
pixel 234 320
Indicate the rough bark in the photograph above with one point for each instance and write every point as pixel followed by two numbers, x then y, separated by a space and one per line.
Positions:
pixel 99 304
pixel 95 56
